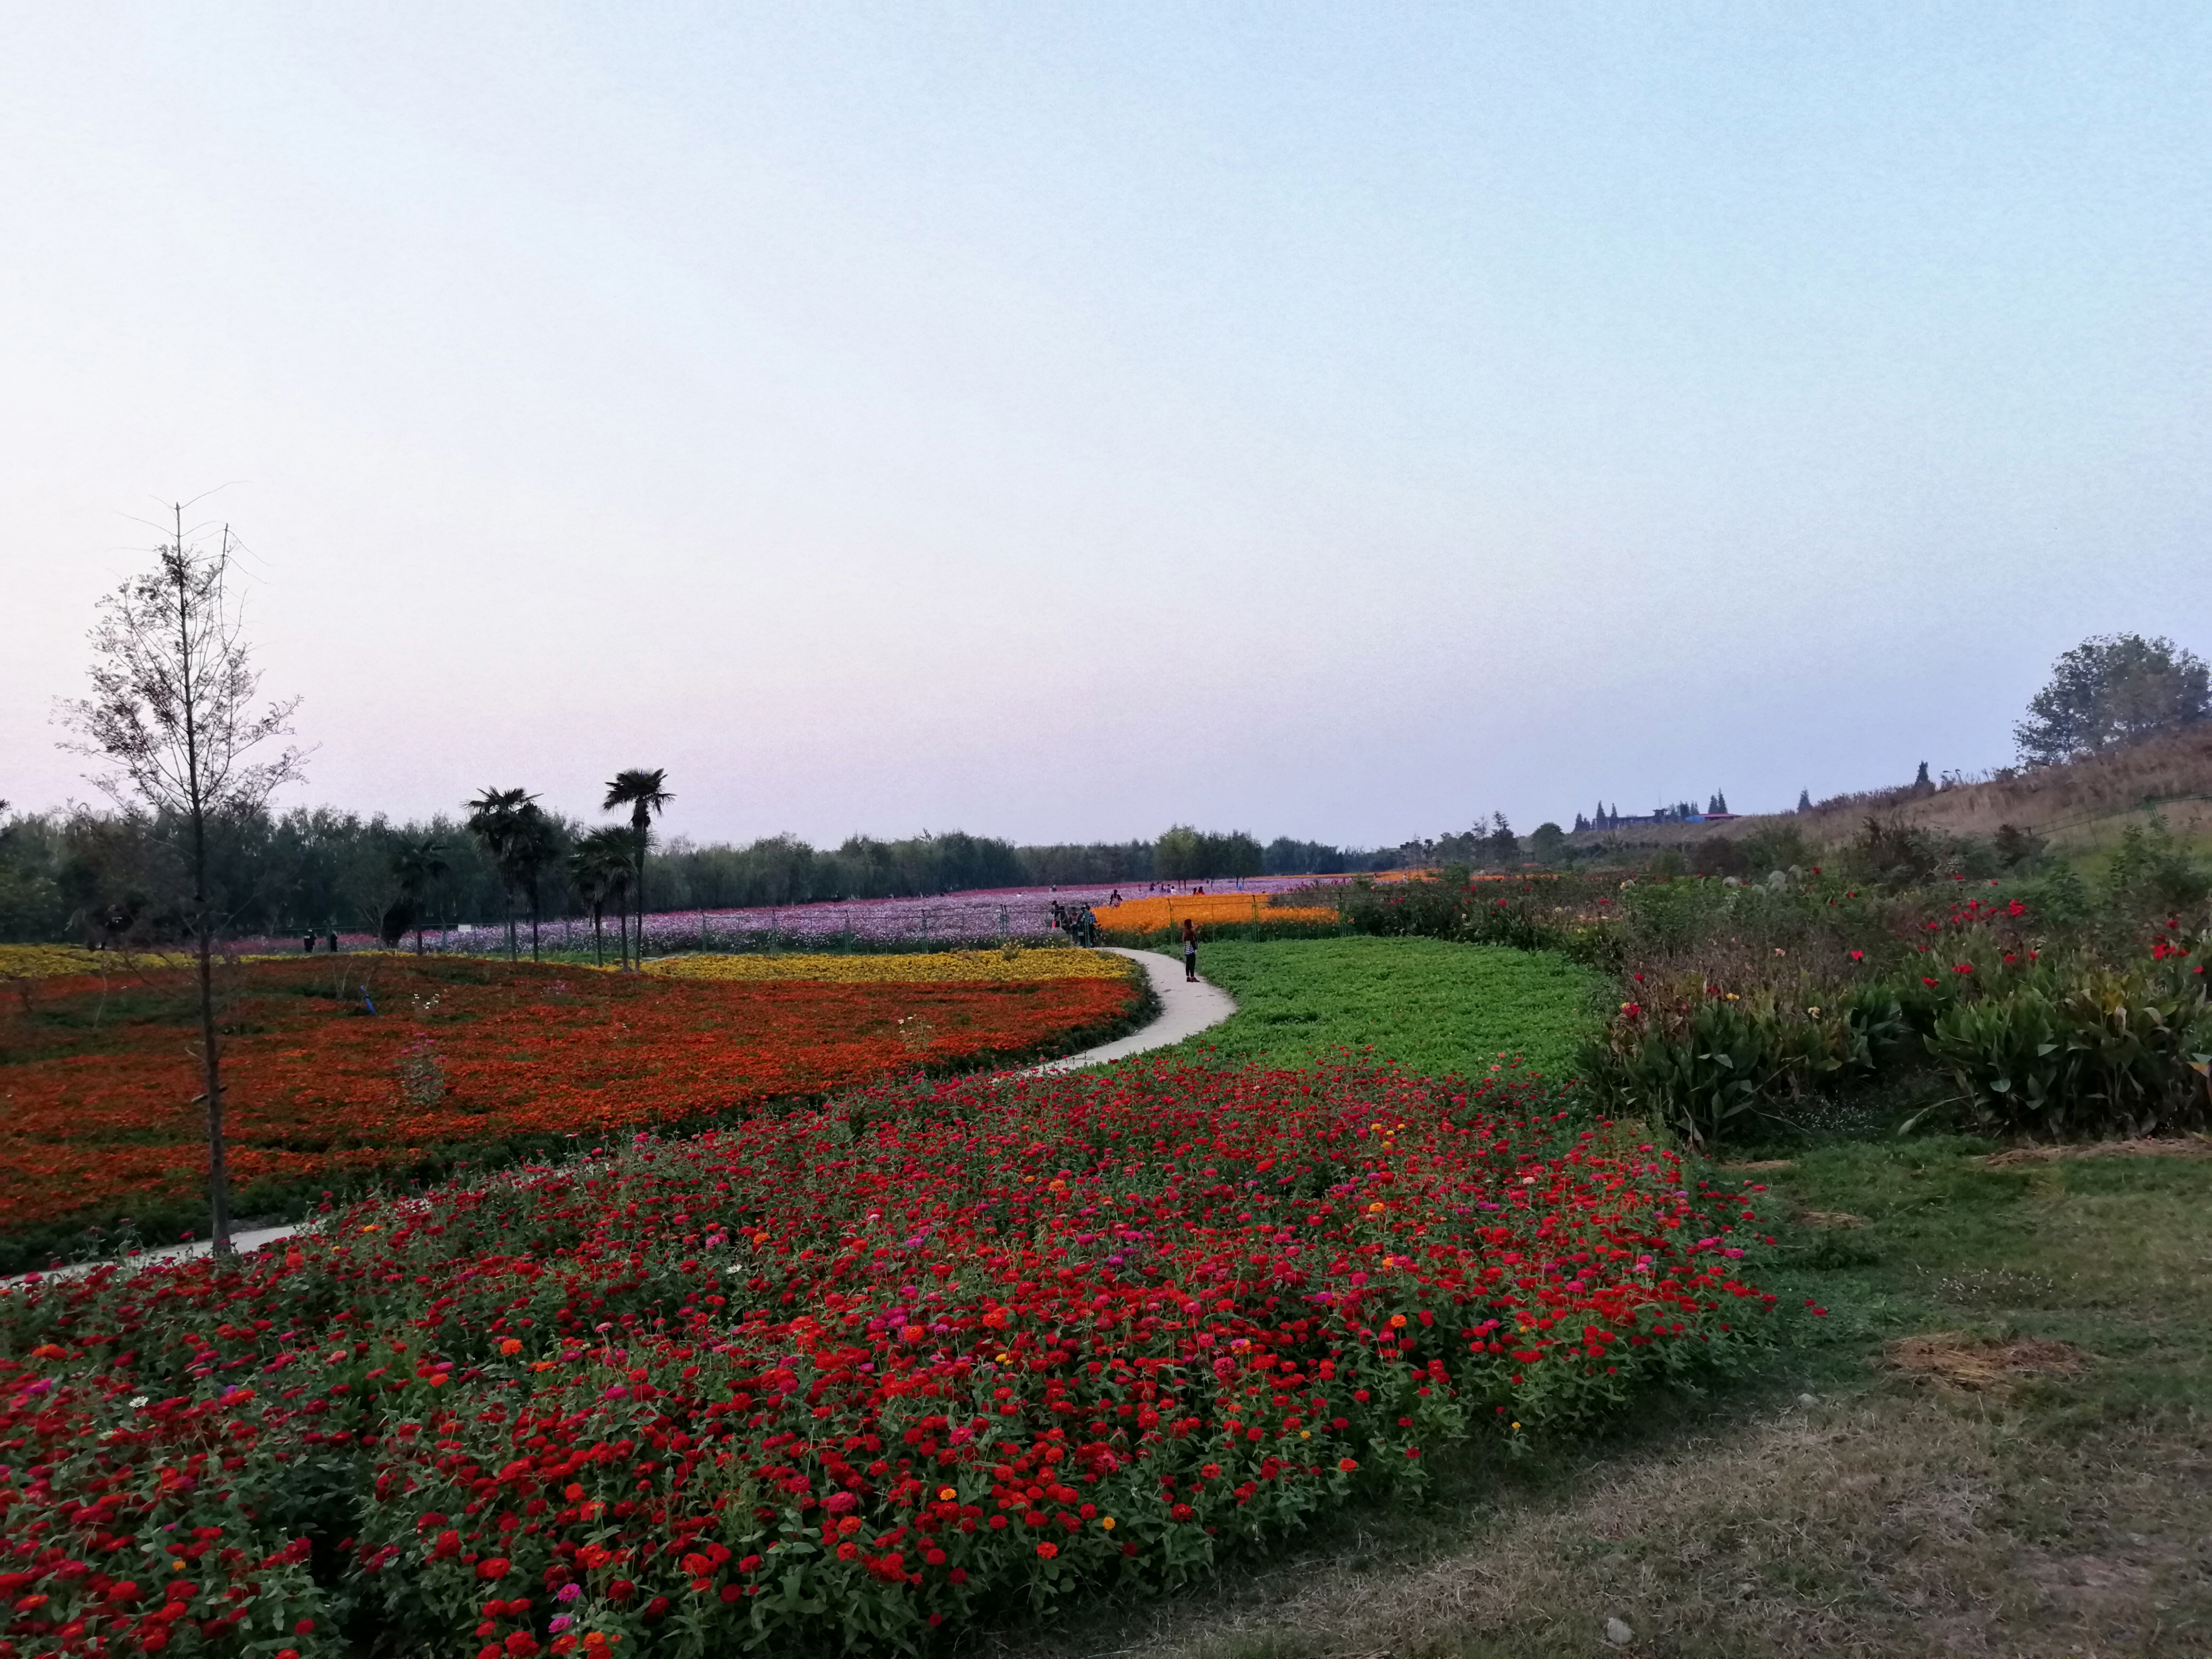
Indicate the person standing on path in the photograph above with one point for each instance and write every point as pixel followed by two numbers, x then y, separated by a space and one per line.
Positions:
pixel 1189 951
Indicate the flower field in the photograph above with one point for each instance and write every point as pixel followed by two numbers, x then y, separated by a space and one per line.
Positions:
pixel 45 961
pixel 1169 912
pixel 344 1069
pixel 51 961
pixel 856 1377
pixel 943 967
pixel 980 917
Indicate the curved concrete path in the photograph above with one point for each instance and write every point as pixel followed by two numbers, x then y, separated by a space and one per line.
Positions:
pixel 1186 1009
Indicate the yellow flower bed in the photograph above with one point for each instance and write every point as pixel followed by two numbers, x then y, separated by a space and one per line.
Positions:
pixel 49 961
pixel 53 961
pixel 1149 915
pixel 936 967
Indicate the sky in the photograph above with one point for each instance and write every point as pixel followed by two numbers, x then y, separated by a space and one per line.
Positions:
pixel 1061 421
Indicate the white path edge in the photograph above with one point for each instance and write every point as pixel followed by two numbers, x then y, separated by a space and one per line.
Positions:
pixel 1186 1009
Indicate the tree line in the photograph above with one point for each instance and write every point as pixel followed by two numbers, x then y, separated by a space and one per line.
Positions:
pixel 502 857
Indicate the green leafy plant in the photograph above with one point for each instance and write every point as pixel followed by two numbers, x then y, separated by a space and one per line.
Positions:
pixel 2082 1053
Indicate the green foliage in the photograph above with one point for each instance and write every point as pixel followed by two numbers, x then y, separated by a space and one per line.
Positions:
pixel 1186 854
pixel 1537 912
pixel 2112 690
pixel 1776 847
pixel 2151 874
pixel 2089 1053
pixel 1719 855
pixel 2017 848
pixel 1433 1007
pixel 1709 1067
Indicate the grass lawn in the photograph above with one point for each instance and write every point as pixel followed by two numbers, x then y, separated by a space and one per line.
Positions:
pixel 1870 1495
pixel 1433 1007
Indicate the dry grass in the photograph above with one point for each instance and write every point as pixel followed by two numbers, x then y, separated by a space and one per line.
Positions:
pixel 2081 807
pixel 1885 1526
pixel 2191 1146
pixel 1991 1365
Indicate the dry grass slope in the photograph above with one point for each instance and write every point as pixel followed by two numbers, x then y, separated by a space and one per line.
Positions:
pixel 2079 807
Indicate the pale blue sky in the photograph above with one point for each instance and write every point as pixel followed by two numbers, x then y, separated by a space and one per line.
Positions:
pixel 1056 423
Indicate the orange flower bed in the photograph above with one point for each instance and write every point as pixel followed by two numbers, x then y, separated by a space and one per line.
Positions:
pixel 97 1116
pixel 1149 915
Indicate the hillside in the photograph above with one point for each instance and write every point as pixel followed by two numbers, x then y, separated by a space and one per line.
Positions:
pixel 2081 807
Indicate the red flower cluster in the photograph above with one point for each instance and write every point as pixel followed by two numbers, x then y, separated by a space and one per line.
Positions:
pixel 862 1370
pixel 458 1053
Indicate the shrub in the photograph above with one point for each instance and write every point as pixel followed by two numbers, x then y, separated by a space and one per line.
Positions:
pixel 2152 874
pixel 1719 855
pixel 1710 1062
pixel 2090 1054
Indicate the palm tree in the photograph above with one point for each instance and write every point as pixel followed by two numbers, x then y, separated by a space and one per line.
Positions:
pixel 494 820
pixel 600 865
pixel 418 866
pixel 535 844
pixel 640 790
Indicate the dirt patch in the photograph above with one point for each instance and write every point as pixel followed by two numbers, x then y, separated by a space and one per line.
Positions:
pixel 1979 1363
pixel 1833 1219
pixel 2162 1146
pixel 1756 1166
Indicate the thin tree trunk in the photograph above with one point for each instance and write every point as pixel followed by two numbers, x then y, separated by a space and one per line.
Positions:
pixel 598 942
pixel 641 833
pixel 212 1065
pixel 210 1056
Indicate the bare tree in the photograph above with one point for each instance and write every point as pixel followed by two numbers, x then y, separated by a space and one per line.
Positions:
pixel 171 712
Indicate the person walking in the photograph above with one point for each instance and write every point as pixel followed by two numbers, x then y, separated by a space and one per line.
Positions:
pixel 1189 951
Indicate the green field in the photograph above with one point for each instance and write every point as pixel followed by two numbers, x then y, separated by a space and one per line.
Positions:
pixel 1432 1006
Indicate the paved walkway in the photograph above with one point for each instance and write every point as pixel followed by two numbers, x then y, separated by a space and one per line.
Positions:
pixel 1185 1010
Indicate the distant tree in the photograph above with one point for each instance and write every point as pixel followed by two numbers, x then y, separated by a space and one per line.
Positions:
pixel 1547 842
pixel 418 863
pixel 496 818
pixel 1922 784
pixel 532 848
pixel 642 790
pixel 599 865
pixel 1804 801
pixel 1501 842
pixel 1184 854
pixel 171 712
pixel 1720 802
pixel 1286 857
pixel 1580 824
pixel 1177 854
pixel 2110 690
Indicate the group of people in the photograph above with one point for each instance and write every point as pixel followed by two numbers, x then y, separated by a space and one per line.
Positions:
pixel 1080 923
